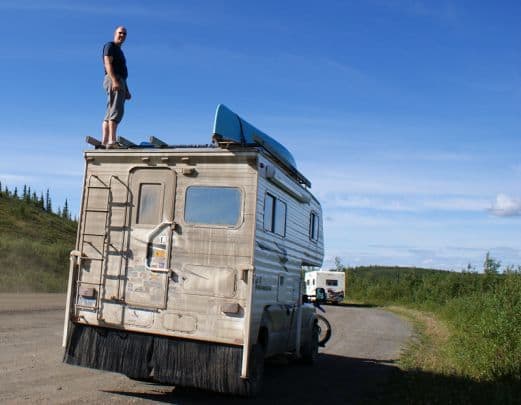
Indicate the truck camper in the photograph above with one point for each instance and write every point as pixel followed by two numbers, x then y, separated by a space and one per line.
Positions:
pixel 188 264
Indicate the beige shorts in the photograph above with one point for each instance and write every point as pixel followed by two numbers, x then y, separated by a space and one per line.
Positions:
pixel 115 99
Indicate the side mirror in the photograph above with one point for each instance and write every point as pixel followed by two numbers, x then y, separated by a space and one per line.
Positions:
pixel 321 295
pixel 305 298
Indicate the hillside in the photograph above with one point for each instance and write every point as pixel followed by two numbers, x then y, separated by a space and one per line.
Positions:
pixel 34 247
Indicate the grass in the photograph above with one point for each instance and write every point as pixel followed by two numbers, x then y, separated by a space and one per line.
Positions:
pixel 34 247
pixel 468 333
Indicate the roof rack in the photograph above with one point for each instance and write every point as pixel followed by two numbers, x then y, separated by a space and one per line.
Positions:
pixel 229 131
pixel 154 143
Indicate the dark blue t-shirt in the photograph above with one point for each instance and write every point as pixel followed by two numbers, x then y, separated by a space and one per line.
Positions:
pixel 119 63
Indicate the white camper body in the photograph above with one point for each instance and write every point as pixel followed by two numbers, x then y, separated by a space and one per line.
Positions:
pixel 333 282
pixel 195 250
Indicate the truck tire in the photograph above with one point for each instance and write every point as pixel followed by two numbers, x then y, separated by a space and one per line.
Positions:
pixel 253 385
pixel 309 351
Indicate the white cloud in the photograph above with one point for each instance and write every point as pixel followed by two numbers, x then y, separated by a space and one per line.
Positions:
pixel 409 204
pixel 441 257
pixel 506 206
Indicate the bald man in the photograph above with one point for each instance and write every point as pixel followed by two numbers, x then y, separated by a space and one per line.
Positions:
pixel 115 84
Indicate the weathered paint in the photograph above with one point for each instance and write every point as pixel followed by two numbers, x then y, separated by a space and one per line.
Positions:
pixel 208 283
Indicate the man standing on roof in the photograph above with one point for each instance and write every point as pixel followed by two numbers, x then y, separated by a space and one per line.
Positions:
pixel 115 84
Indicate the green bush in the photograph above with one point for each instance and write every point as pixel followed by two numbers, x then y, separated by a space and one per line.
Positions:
pixel 483 312
pixel 487 339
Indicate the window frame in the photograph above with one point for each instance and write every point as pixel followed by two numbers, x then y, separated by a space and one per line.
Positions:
pixel 313 215
pixel 160 203
pixel 272 226
pixel 240 218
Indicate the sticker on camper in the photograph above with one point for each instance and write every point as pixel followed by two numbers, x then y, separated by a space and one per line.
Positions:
pixel 159 253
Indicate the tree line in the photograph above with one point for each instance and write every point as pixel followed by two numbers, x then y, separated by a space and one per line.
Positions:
pixel 31 198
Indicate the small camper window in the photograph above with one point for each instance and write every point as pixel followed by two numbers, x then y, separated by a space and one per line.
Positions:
pixel 332 283
pixel 149 208
pixel 274 215
pixel 313 226
pixel 212 205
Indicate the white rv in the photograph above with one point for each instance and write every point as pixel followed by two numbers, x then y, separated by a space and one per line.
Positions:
pixel 333 283
pixel 188 262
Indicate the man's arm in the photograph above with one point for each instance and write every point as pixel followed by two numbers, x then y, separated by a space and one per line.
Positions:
pixel 128 96
pixel 107 61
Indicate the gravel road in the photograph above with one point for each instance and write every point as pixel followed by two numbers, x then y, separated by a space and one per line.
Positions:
pixel 351 369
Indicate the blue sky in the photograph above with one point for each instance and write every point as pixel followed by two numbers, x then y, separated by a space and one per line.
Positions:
pixel 405 115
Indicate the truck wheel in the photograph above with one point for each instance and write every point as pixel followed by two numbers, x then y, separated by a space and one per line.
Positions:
pixel 253 385
pixel 309 351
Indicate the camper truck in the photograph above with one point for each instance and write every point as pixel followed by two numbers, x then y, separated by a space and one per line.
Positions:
pixel 332 282
pixel 188 264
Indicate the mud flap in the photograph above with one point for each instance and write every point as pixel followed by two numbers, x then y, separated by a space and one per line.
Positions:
pixel 209 366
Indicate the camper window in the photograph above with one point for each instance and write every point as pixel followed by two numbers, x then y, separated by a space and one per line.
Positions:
pixel 149 209
pixel 332 283
pixel 313 226
pixel 274 215
pixel 212 205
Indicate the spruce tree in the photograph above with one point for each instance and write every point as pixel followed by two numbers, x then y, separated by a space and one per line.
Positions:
pixel 65 211
pixel 48 204
pixel 27 197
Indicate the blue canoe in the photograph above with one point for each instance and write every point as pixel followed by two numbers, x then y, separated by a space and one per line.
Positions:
pixel 228 126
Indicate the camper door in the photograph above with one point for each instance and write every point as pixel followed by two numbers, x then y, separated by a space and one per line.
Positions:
pixel 152 224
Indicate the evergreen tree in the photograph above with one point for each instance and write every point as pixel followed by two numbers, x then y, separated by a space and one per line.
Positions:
pixel 15 194
pixel 34 198
pixel 27 197
pixel 65 212
pixel 41 203
pixel 24 192
pixel 48 204
pixel 491 265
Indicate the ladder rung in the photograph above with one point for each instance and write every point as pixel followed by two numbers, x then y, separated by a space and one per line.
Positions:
pixel 94 234
pixel 118 228
pixel 86 307
pixel 89 282
pixel 120 203
pixel 114 299
pixel 99 187
pixel 96 259
pixel 95 210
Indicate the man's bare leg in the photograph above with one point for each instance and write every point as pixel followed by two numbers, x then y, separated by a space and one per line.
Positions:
pixel 105 132
pixel 113 126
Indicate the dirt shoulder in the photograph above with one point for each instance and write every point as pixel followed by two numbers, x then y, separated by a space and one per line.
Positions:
pixel 31 302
